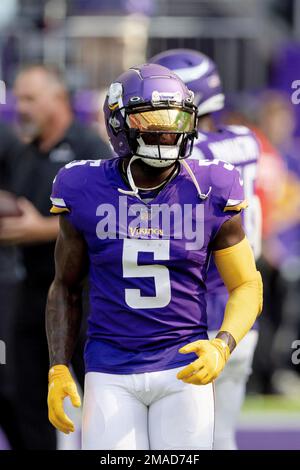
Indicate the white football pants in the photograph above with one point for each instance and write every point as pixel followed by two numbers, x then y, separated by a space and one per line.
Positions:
pixel 230 389
pixel 146 411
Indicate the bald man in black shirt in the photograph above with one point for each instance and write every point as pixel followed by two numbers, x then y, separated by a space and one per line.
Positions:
pixel 11 275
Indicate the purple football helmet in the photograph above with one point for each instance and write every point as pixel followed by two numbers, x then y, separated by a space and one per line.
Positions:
pixel 200 75
pixel 149 112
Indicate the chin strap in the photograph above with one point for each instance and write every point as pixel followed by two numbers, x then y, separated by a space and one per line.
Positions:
pixel 134 189
pixel 190 172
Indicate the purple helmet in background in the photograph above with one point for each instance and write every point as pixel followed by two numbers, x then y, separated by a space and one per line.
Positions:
pixel 149 112
pixel 200 75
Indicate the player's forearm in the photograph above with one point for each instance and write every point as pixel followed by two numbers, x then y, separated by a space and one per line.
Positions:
pixel 63 318
pixel 241 311
pixel 238 271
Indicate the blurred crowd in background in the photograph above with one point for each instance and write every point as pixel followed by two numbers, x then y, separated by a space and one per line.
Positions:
pixel 56 59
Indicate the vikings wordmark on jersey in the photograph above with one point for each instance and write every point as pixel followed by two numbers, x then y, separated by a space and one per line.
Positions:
pixel 148 262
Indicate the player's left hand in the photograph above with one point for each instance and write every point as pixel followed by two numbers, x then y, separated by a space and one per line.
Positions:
pixel 213 356
pixel 61 385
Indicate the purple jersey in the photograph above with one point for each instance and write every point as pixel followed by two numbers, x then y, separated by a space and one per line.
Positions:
pixel 148 261
pixel 236 145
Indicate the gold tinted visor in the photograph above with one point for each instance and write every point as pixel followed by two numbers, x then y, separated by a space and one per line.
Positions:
pixel 163 120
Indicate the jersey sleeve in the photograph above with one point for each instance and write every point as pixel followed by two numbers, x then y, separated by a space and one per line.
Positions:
pixel 227 187
pixel 60 196
pixel 235 200
pixel 227 194
pixel 68 185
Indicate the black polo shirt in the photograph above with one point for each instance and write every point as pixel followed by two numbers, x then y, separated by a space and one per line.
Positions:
pixel 33 179
pixel 10 148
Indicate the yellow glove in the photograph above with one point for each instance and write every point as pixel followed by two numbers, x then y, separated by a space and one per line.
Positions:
pixel 61 385
pixel 213 356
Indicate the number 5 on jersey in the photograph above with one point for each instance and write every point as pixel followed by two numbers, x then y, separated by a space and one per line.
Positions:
pixel 160 274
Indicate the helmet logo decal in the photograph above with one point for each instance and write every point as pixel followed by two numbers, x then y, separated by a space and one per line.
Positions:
pixel 115 93
pixel 189 74
pixel 114 122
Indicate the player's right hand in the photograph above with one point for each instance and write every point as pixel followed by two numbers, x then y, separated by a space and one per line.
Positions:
pixel 61 385
pixel 213 355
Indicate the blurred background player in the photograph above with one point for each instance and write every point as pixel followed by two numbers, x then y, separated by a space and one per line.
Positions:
pixel 52 138
pixel 236 145
pixel 279 190
pixel 272 118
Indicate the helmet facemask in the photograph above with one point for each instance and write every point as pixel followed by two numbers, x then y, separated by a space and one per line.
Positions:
pixel 161 132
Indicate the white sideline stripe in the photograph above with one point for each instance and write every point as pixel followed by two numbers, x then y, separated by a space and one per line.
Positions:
pixel 277 421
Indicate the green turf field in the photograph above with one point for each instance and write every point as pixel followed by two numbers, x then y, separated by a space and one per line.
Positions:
pixel 271 404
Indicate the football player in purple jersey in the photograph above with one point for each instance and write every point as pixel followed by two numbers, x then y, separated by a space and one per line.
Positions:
pixel 144 226
pixel 236 145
